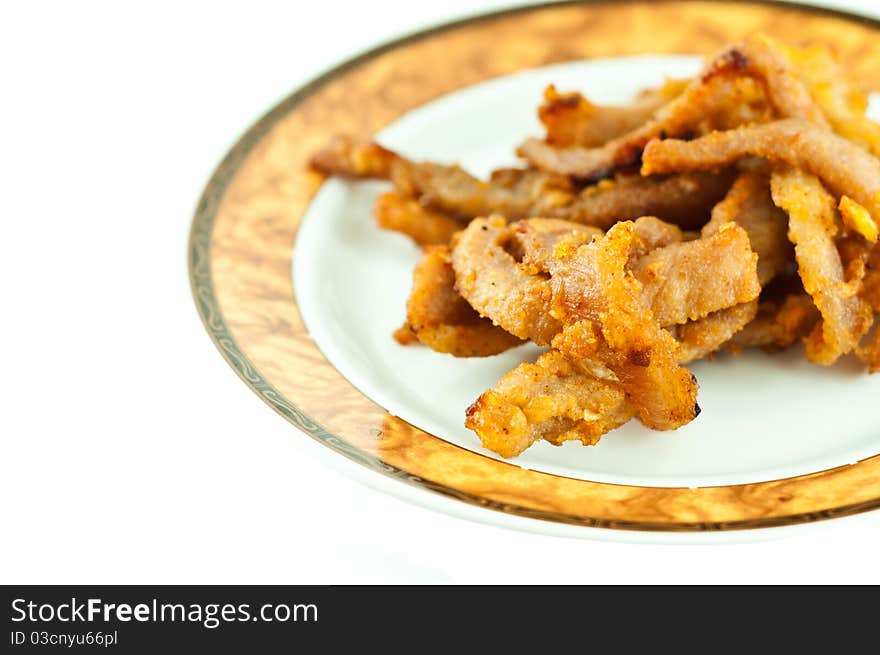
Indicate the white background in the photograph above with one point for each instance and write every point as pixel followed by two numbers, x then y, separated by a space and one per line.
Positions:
pixel 131 453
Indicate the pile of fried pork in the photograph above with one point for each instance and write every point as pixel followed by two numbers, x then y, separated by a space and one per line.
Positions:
pixel 736 209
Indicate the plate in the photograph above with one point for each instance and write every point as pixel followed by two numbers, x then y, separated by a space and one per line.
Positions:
pixel 300 290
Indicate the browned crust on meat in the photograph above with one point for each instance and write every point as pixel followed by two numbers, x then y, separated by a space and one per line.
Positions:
pixel 812 228
pixel 762 58
pixel 605 321
pixel 843 166
pixel 870 352
pixel 684 200
pixel 861 260
pixel 497 265
pixel 405 215
pixel 719 87
pixel 842 104
pixel 571 119
pixel 405 336
pixel 513 193
pixel 687 114
pixel 556 399
pixel 488 276
pixel 778 325
pixel 749 204
pixel 350 157
pixel 593 296
pixel 699 339
pixel 442 320
pixel 687 281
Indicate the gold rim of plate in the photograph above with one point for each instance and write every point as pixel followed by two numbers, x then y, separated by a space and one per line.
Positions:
pixel 246 222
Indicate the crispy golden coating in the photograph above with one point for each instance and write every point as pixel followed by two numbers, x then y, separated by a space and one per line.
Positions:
pixel 650 233
pixel 843 166
pixel 870 290
pixel 498 270
pixel 535 242
pixel 843 105
pixel 571 119
pixel 684 200
pixel 704 99
pixel 722 97
pixel 604 317
pixel 435 190
pixel 856 218
pixel 812 226
pixel 518 194
pixel 778 325
pixel 749 205
pixel 441 319
pixel 699 339
pixel 513 193
pixel 604 320
pixel 590 297
pixel 405 335
pixel 538 401
pixel 688 281
pixel 489 277
pixel 424 226
pixel 862 261
pixel 870 352
pixel 787 93
pixel 351 157
pixel 556 398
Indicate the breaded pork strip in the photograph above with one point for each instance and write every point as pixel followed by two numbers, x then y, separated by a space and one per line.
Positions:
pixel 425 191
pixel 812 227
pixel 778 325
pixel 843 105
pixel 870 352
pixel 424 226
pixel 604 318
pixel 438 316
pixel 535 241
pixel 684 200
pixel 749 204
pixel 688 281
pixel 698 339
pixel 571 119
pixel 589 284
pixel 723 83
pixel 561 399
pixel 556 398
pixel 681 280
pixel 844 167
pixel 441 319
pixel 350 157
pixel 861 259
